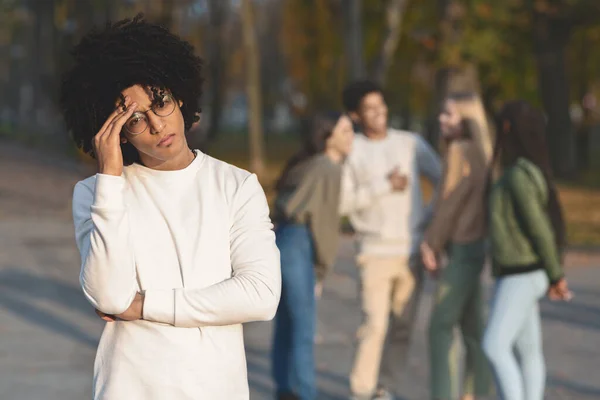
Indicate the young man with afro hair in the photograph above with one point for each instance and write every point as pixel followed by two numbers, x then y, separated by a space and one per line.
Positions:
pixel 177 248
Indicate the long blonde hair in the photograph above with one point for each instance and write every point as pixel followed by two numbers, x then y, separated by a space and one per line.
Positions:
pixel 473 118
pixel 470 106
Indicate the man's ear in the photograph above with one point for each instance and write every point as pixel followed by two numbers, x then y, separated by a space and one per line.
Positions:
pixel 354 117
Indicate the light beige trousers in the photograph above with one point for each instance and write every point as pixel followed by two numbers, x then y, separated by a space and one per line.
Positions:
pixel 386 284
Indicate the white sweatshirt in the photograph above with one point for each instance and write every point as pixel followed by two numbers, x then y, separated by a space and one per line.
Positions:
pixel 199 243
pixel 388 223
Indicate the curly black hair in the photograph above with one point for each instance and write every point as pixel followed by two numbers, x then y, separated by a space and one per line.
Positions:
pixel 354 93
pixel 120 55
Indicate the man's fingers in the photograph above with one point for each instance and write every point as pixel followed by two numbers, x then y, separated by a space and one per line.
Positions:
pixel 120 121
pixel 109 120
pixel 105 317
pixel 115 125
pixel 104 133
pixel 114 115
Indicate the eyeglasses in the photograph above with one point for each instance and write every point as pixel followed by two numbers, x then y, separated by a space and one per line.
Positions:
pixel 138 122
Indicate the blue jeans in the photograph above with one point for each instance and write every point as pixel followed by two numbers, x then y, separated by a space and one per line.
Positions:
pixel 293 365
pixel 515 325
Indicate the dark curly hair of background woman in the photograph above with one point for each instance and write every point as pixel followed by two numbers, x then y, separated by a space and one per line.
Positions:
pixel 118 56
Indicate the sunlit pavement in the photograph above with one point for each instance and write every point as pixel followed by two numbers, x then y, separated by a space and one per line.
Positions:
pixel 48 332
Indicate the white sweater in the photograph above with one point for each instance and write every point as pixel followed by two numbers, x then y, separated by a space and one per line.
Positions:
pixel 388 223
pixel 199 243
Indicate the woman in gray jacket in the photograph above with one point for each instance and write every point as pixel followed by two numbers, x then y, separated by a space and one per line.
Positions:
pixel 306 214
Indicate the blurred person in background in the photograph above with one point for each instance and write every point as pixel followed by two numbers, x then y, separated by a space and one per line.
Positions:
pixel 306 214
pixel 527 234
pixel 177 248
pixel 458 229
pixel 381 193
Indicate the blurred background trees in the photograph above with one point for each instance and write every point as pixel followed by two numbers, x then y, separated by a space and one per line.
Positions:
pixel 271 62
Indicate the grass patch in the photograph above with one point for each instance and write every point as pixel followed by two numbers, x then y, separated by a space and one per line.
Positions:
pixel 581 202
pixel 278 149
pixel 582 213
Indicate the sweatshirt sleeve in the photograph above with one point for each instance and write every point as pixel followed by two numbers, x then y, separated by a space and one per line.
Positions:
pixel 428 161
pixel 108 276
pixel 325 222
pixel 429 165
pixel 251 294
pixel 532 210
pixel 457 184
pixel 356 196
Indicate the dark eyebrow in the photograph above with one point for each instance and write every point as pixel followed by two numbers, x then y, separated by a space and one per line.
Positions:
pixel 138 112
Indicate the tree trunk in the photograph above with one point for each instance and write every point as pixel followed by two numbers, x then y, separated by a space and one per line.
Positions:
pixel 354 38
pixel 216 66
pixel 550 38
pixel 44 88
pixel 456 75
pixel 447 35
pixel 253 91
pixel 394 14
pixel 583 131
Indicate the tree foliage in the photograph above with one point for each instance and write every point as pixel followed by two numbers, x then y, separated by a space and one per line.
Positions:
pixel 312 45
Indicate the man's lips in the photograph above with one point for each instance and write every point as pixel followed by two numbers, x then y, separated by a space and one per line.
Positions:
pixel 166 140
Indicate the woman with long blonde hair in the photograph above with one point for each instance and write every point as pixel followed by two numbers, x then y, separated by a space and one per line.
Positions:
pixel 458 230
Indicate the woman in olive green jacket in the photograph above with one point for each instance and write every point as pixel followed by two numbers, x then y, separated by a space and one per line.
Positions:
pixel 527 233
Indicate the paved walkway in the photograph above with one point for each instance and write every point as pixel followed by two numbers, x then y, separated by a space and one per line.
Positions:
pixel 48 332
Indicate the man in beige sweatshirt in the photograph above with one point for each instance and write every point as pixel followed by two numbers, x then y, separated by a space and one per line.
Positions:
pixel 381 194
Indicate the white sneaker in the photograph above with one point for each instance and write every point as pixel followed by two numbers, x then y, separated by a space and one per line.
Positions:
pixel 383 394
